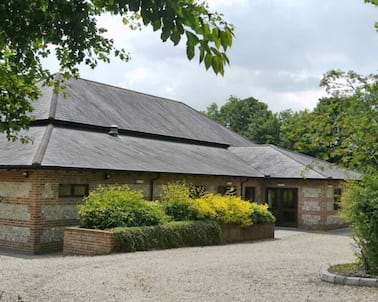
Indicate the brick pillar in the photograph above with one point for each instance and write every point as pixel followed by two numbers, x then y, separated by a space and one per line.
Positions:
pixel 35 211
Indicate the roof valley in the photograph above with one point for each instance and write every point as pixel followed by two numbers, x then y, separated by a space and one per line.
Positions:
pixel 41 150
pixel 294 159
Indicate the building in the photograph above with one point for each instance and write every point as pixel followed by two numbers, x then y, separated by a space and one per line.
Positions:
pixel 76 147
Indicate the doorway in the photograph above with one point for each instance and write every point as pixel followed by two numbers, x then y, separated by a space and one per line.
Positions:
pixel 283 203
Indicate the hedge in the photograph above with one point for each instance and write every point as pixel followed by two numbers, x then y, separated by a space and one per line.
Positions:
pixel 170 235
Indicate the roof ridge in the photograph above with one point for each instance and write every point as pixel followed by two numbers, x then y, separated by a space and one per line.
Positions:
pixel 131 90
pixel 41 150
pixel 168 100
pixel 54 99
pixel 218 123
pixel 291 157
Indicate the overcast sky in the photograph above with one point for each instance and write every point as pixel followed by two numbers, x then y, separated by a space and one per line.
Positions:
pixel 281 50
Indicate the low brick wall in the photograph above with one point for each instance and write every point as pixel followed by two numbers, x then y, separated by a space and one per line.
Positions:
pixel 79 241
pixel 88 242
pixel 234 233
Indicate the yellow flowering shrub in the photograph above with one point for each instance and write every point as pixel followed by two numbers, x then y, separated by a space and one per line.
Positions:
pixel 225 209
pixel 178 204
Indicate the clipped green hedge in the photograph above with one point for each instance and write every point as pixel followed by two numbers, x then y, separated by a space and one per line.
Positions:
pixel 170 235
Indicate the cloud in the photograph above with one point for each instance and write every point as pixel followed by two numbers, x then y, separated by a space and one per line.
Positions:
pixel 281 50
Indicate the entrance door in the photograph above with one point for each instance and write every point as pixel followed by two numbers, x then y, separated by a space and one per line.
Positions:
pixel 283 204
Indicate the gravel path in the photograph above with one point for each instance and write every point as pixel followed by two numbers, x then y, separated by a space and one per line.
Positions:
pixel 278 270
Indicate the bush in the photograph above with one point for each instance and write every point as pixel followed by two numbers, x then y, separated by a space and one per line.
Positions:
pixel 225 209
pixel 116 206
pixel 170 235
pixel 176 201
pixel 261 214
pixel 360 208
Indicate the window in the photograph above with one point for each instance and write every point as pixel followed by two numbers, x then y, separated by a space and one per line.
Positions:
pixel 223 190
pixel 249 193
pixel 336 199
pixel 73 190
pixel 197 191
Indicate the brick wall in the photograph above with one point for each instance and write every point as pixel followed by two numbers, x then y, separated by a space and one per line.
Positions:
pixel 315 202
pixel 33 216
pixel 88 242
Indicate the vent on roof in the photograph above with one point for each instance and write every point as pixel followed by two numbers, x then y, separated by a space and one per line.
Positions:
pixel 113 130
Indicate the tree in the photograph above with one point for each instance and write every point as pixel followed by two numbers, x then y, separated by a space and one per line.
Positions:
pixel 34 29
pixel 248 117
pixel 374 2
pixel 360 208
pixel 343 128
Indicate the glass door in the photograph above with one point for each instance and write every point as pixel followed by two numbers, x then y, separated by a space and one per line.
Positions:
pixel 284 205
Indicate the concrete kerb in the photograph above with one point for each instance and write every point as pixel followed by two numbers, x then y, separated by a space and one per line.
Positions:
pixel 345 280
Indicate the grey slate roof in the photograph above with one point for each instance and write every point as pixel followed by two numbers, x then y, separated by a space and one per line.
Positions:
pixel 18 154
pixel 72 148
pixel 74 144
pixel 99 104
pixel 280 163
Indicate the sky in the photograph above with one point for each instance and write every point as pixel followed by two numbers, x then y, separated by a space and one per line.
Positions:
pixel 281 50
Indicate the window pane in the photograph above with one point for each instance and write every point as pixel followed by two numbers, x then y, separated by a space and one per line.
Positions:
pixel 337 199
pixel 197 191
pixel 64 190
pixel 80 190
pixel 222 190
pixel 249 194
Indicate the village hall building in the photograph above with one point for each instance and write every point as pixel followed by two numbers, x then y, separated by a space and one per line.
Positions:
pixel 100 134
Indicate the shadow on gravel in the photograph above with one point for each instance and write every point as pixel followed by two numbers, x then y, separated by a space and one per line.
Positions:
pixel 29 256
pixel 283 232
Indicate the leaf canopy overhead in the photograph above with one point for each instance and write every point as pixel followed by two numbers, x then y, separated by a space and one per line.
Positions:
pixel 35 29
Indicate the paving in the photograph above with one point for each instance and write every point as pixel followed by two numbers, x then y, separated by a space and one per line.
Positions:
pixel 285 269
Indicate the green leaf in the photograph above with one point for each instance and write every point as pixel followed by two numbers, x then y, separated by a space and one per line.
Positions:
pixel 190 51
pixel 165 35
pixel 156 25
pixel 175 37
pixel 192 38
pixel 208 61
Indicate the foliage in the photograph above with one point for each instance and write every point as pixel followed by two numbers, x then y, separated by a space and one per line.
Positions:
pixel 197 191
pixel 360 208
pixel 248 117
pixel 260 214
pixel 176 201
pixel 117 206
pixel 224 209
pixel 374 2
pixel 170 235
pixel 33 30
pixel 343 128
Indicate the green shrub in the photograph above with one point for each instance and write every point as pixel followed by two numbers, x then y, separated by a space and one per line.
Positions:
pixel 261 214
pixel 116 206
pixel 360 208
pixel 170 235
pixel 176 201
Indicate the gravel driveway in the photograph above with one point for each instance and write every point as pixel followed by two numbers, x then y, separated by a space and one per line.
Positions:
pixel 286 269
